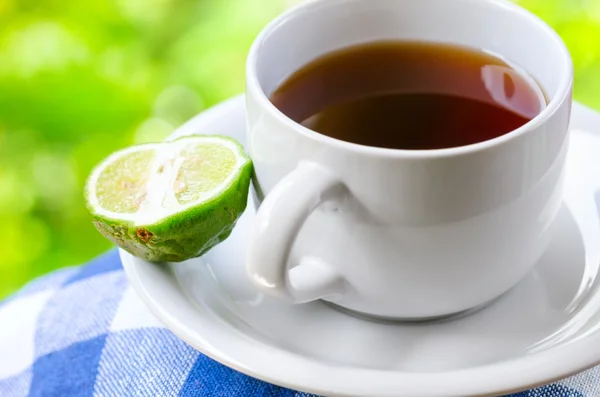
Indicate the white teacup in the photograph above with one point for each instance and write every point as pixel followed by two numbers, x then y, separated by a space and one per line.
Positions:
pixel 404 234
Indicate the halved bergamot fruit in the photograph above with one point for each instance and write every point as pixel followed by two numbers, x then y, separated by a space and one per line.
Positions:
pixel 170 201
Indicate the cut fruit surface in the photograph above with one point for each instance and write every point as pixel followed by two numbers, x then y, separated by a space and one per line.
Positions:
pixel 121 186
pixel 170 201
pixel 205 167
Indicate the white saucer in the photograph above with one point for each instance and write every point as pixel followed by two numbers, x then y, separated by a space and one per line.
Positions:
pixel 546 328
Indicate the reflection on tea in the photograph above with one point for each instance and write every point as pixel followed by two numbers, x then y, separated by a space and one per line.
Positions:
pixel 410 95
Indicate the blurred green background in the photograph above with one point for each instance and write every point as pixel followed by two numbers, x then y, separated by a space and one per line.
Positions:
pixel 80 79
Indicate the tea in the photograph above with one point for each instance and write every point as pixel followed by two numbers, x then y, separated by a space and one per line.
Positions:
pixel 410 95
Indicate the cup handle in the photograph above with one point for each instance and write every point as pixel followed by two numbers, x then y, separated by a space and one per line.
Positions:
pixel 279 219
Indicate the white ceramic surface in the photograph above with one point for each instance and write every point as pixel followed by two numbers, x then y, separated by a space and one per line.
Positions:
pixel 403 233
pixel 546 328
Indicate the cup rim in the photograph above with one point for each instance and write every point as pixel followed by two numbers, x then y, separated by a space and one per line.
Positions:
pixel 562 93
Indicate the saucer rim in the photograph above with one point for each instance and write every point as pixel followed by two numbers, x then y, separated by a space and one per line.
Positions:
pixel 229 347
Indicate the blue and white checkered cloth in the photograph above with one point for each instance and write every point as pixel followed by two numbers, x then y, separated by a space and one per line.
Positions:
pixel 84 332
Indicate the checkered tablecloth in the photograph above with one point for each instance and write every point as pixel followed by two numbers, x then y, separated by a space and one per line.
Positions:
pixel 83 332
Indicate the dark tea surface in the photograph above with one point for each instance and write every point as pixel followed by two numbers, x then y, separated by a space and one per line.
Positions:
pixel 410 95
